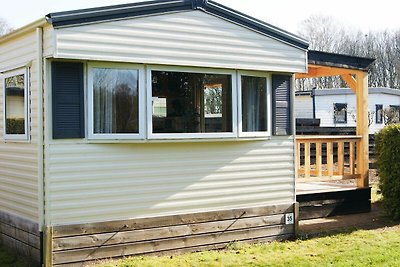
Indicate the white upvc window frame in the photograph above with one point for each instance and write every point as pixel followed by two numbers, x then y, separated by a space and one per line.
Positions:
pixel 268 77
pixel 216 135
pixel 26 135
pixel 142 101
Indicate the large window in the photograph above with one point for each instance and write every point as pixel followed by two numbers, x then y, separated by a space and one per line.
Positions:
pixel 191 104
pixel 254 111
pixel 176 102
pixel 340 113
pixel 16 105
pixel 114 93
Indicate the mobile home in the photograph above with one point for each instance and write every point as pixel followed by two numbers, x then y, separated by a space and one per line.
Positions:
pixel 337 107
pixel 149 127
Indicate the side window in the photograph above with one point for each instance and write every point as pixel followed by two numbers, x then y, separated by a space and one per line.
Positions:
pixel 16 105
pixel 379 114
pixel 254 105
pixel 114 94
pixel 340 113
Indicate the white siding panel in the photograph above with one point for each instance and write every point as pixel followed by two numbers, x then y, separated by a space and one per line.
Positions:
pixel 303 106
pixel 48 41
pixel 187 38
pixel 99 182
pixel 18 160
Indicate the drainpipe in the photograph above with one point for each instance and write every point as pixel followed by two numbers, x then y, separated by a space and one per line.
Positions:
pixel 39 79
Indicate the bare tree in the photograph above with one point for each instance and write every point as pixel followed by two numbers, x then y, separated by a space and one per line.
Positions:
pixel 326 34
pixel 4 27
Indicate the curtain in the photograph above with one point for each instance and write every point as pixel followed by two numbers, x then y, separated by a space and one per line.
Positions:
pixel 254 100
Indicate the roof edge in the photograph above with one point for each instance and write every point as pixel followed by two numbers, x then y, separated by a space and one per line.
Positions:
pixel 339 60
pixel 348 91
pixel 23 30
pixel 116 12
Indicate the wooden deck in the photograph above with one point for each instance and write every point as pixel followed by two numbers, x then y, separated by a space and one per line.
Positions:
pixel 322 199
pixel 322 187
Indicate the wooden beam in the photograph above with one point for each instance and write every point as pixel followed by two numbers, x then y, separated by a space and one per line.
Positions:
pixel 351 82
pixel 362 156
pixel 315 71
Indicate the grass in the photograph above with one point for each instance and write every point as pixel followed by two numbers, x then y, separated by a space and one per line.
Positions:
pixel 379 247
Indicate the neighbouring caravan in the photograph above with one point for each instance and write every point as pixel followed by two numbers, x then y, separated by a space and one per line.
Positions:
pixel 336 107
pixel 147 127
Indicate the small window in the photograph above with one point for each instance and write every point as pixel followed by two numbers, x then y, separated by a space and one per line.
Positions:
pixel 340 113
pixel 190 104
pixel 16 105
pixel 115 98
pixel 254 111
pixel 379 114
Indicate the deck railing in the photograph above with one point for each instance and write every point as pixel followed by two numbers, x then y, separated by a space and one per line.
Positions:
pixel 326 158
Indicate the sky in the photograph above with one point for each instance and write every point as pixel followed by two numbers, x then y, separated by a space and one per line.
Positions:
pixel 365 15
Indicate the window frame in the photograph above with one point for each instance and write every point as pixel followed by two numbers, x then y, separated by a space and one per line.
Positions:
pixel 141 109
pixel 268 77
pixel 335 121
pixel 376 114
pixel 26 135
pixel 149 95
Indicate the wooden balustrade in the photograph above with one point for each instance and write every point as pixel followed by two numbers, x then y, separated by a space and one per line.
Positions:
pixel 321 164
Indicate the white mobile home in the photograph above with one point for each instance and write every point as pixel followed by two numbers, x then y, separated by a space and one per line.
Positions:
pixel 146 127
pixel 336 107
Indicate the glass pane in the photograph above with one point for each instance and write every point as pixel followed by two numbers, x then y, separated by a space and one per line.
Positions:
pixel 254 104
pixel 340 111
pixel 115 101
pixel 191 102
pixel 15 104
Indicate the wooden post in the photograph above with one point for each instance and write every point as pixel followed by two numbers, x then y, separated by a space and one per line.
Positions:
pixel 48 247
pixel 307 159
pixel 296 211
pixel 351 157
pixel 362 129
pixel 318 158
pixel 329 157
pixel 340 155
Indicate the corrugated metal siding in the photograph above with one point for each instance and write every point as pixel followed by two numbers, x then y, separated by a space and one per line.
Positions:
pixel 187 38
pixel 99 182
pixel 18 160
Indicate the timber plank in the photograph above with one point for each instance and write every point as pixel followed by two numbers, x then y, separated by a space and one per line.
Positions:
pixel 20 223
pixel 20 235
pixel 188 249
pixel 146 223
pixel 169 244
pixel 102 239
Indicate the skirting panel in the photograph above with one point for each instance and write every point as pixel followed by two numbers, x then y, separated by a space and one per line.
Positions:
pixel 73 245
pixel 21 236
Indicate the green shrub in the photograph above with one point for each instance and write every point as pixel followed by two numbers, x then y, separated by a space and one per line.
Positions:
pixel 387 152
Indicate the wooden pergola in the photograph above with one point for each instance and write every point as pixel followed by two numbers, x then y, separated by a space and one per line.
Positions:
pixel 354 71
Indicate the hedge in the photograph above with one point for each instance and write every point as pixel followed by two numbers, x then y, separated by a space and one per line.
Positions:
pixel 387 152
